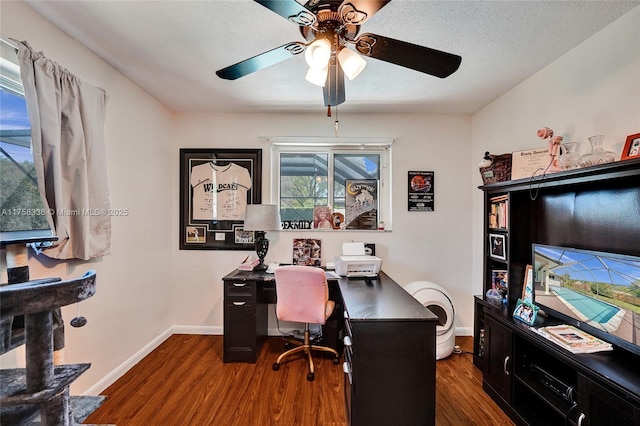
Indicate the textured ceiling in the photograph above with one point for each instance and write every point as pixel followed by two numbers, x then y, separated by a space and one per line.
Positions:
pixel 172 49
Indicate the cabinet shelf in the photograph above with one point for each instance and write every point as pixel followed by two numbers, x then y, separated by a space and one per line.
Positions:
pixel 586 208
pixel 499 230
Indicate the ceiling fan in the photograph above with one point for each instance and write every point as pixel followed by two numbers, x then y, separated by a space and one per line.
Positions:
pixel 329 26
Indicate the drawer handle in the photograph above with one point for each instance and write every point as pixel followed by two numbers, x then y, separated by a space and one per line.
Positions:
pixel 345 314
pixel 239 303
pixel 345 367
pixel 239 284
pixel 504 367
pixel 347 341
pixel 581 419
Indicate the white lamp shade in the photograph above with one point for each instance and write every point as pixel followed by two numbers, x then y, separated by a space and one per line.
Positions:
pixel 318 53
pixel 317 76
pixel 262 217
pixel 352 64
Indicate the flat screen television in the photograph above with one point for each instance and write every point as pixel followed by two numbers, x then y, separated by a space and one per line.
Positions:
pixel 596 291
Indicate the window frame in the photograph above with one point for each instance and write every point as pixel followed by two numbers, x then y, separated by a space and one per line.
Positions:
pixel 11 82
pixel 332 146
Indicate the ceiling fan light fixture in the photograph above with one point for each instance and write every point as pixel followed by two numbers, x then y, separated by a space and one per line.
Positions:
pixel 317 76
pixel 318 53
pixel 352 64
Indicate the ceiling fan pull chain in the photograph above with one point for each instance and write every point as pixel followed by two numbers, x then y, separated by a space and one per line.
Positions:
pixel 336 124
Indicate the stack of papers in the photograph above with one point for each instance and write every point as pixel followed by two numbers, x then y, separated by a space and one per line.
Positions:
pixel 573 339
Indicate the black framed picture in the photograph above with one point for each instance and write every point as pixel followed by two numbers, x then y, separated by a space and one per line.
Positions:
pixel 498 246
pixel 421 191
pixel 216 185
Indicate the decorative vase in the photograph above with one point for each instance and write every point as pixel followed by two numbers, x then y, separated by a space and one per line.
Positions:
pixel 569 158
pixel 598 154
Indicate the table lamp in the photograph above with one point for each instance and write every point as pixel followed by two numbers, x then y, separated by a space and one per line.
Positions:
pixel 260 218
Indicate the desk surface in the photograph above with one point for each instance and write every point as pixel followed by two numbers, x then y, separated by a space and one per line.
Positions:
pixel 249 276
pixel 381 299
pixel 367 300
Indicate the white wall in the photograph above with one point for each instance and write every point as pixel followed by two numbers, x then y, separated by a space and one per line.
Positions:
pixel 593 89
pixel 132 306
pixel 432 246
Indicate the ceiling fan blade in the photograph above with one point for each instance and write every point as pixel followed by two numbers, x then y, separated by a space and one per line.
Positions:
pixel 333 89
pixel 419 58
pixel 291 10
pixel 357 12
pixel 261 61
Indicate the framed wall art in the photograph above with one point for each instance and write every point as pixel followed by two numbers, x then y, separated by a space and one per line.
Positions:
pixel 216 185
pixel 420 191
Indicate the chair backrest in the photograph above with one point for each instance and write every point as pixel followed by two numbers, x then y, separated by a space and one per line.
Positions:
pixel 302 293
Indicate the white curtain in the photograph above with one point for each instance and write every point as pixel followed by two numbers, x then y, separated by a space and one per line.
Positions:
pixel 67 134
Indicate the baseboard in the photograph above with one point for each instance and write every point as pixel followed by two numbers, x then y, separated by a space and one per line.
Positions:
pixel 464 331
pixel 197 329
pixel 119 371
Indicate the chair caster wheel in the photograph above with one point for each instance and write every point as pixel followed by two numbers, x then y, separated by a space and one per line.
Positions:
pixel 311 376
pixel 336 361
pixel 275 366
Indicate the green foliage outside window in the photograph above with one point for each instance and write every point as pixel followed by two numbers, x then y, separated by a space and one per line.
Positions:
pixel 20 203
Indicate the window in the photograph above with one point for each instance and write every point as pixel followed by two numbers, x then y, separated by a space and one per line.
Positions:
pixel 21 208
pixel 312 172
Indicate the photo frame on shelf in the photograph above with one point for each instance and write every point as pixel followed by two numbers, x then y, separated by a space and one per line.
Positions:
pixel 631 147
pixel 498 246
pixel 526 312
pixel 216 185
pixel 527 286
pixel 500 281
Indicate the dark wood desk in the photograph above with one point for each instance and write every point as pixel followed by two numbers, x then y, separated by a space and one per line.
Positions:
pixel 390 341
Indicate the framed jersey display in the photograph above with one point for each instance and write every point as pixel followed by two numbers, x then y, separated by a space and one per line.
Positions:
pixel 215 187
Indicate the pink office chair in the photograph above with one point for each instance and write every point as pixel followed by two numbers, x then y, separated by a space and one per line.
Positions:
pixel 303 296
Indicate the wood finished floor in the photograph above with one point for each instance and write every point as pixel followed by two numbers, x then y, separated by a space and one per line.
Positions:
pixel 185 382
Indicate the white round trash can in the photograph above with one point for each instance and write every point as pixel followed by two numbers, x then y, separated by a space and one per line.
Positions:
pixel 438 301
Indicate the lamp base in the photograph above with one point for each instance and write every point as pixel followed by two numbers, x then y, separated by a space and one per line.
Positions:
pixel 260 267
pixel 262 246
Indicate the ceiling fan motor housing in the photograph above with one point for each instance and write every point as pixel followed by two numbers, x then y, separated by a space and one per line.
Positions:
pixel 329 23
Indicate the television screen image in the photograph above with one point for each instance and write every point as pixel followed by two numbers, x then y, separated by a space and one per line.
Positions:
pixel 596 289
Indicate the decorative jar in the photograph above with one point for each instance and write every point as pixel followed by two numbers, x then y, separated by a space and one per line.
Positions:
pixel 569 157
pixel 598 154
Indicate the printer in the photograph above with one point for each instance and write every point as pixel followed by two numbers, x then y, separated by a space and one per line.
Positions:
pixel 355 263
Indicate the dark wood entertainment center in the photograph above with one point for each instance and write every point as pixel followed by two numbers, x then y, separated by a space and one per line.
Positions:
pixel 596 208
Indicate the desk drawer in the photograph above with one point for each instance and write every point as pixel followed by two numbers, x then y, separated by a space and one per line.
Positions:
pixel 243 289
pixel 347 327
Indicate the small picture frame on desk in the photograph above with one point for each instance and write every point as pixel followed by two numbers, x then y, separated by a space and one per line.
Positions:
pixel 498 246
pixel 526 312
pixel 631 147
